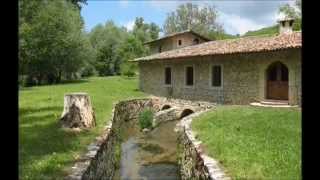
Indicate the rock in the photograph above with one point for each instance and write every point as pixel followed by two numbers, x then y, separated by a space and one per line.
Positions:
pixel 77 112
pixel 145 130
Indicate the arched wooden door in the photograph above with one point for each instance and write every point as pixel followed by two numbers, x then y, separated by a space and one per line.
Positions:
pixel 277 81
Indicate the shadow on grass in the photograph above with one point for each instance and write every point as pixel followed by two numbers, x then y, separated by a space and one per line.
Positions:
pixel 25 88
pixel 129 78
pixel 29 111
pixel 64 82
pixel 74 81
pixel 42 140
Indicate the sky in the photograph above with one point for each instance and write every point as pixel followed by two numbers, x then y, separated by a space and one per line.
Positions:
pixel 236 16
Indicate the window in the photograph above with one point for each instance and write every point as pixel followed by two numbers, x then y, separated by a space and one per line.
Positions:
pixel 160 48
pixel 291 23
pixel 216 77
pixel 196 41
pixel 167 76
pixel 189 76
pixel 179 42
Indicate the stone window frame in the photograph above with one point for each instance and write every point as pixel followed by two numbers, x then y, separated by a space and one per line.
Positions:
pixel 185 76
pixel 210 76
pixel 164 75
pixel 180 41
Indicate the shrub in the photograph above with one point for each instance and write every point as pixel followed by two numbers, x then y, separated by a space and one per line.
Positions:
pixel 128 69
pixel 145 118
pixel 22 80
pixel 129 73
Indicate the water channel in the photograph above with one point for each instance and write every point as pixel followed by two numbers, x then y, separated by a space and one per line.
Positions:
pixel 148 156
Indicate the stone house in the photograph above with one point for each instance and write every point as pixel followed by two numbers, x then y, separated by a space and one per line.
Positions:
pixel 175 41
pixel 231 71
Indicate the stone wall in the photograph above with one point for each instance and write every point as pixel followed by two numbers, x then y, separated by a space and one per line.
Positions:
pixel 172 42
pixel 100 161
pixel 194 164
pixel 243 77
pixel 165 115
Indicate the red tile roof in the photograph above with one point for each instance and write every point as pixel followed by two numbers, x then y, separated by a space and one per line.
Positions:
pixel 231 46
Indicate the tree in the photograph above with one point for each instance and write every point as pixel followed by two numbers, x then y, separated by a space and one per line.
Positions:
pixel 105 60
pixel 106 41
pixel 131 48
pixel 293 12
pixel 140 30
pixel 144 31
pixel 52 43
pixel 154 31
pixel 78 3
pixel 114 46
pixel 190 16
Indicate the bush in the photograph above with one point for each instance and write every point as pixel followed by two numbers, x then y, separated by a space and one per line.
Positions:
pixel 88 71
pixel 22 80
pixel 145 118
pixel 129 73
pixel 128 69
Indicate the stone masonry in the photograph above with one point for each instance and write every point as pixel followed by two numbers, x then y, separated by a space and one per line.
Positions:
pixel 194 163
pixel 99 162
pixel 243 77
pixel 172 43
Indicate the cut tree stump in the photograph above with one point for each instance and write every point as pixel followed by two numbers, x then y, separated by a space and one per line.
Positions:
pixel 77 112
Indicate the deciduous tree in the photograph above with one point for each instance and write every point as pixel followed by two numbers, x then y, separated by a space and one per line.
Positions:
pixel 190 16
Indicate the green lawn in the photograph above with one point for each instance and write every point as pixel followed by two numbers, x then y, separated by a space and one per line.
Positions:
pixel 253 142
pixel 45 150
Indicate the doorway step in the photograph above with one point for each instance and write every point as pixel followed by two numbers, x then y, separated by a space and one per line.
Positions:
pixel 272 103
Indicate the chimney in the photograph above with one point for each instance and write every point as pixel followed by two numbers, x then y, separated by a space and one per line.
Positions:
pixel 285 25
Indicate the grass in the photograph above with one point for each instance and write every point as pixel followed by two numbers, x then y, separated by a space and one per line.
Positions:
pixel 45 150
pixel 253 142
pixel 272 30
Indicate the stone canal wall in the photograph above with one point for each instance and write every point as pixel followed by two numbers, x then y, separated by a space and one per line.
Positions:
pixel 194 164
pixel 100 161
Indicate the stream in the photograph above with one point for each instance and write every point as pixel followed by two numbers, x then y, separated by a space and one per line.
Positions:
pixel 148 156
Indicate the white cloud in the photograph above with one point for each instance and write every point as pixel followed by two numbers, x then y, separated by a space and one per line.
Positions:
pixel 129 25
pixel 124 3
pixel 173 4
pixel 235 24
pixel 164 5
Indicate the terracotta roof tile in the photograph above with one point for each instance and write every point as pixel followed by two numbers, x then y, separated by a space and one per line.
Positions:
pixel 231 46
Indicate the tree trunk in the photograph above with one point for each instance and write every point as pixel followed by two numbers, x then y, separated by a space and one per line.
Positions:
pixel 78 112
pixel 58 78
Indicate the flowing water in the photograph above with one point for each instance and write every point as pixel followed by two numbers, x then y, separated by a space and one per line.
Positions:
pixel 149 156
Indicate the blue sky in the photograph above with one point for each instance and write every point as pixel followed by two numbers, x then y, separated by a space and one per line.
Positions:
pixel 237 17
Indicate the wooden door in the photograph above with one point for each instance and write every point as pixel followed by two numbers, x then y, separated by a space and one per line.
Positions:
pixel 277 82
pixel 278 90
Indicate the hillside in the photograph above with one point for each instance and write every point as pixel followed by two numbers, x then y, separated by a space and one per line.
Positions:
pixel 264 31
pixel 272 29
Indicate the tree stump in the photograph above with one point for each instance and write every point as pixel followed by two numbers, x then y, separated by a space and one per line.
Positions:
pixel 77 112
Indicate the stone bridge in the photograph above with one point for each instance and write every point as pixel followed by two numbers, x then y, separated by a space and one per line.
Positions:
pixel 173 109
